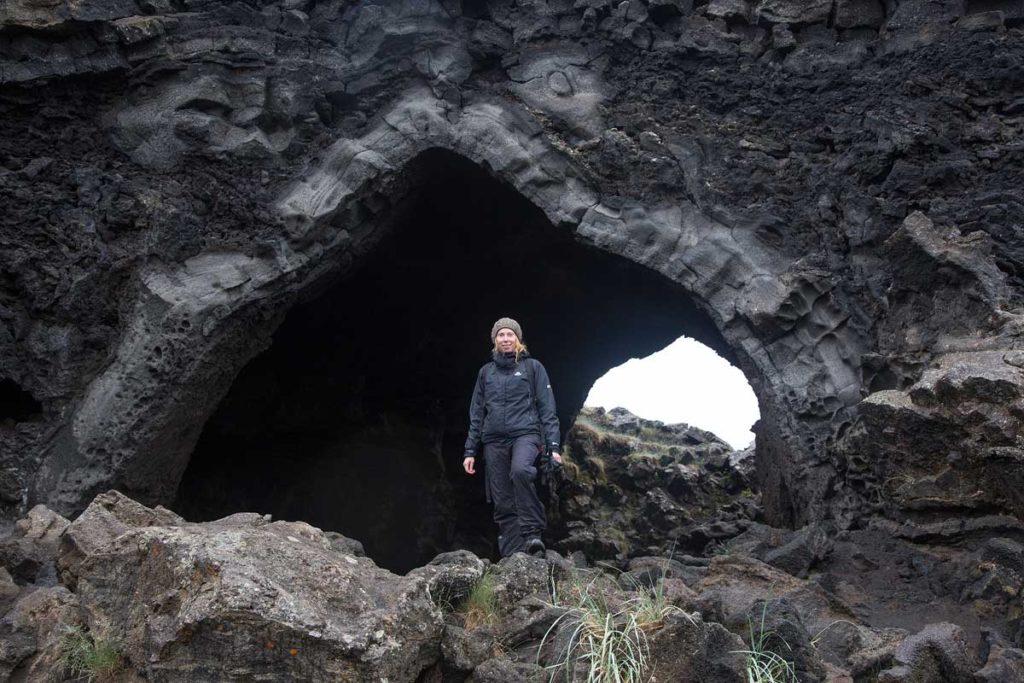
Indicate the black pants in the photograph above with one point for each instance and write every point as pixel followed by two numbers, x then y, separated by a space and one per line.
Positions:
pixel 512 482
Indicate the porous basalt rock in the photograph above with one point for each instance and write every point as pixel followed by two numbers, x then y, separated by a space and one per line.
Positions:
pixel 938 653
pixel 283 594
pixel 640 487
pixel 833 197
pixel 31 630
pixel 243 597
pixel 30 552
pixel 250 153
pixel 687 650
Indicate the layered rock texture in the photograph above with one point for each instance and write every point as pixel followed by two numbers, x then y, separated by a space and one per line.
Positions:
pixel 249 253
pixel 658 499
pixel 828 193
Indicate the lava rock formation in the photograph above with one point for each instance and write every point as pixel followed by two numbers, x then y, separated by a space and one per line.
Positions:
pixel 828 193
pixel 229 224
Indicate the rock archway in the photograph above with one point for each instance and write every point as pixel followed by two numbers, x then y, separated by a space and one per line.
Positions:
pixel 196 324
pixel 825 291
pixel 354 419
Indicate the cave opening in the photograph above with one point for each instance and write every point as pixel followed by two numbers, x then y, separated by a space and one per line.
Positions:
pixel 354 419
pixel 16 404
pixel 703 390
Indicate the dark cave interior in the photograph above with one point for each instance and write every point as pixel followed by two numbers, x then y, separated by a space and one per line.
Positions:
pixel 16 404
pixel 354 419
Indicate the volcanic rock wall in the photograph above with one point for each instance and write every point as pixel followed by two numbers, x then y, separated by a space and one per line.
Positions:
pixel 637 487
pixel 835 184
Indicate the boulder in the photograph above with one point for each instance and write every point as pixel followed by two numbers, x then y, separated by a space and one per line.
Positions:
pixel 912 14
pixel 344 544
pixel 1005 552
pixel 242 598
pixel 450 577
pixel 1003 662
pixel 743 463
pixel 914 441
pixel 30 551
pixel 730 9
pixel 688 650
pixel 799 550
pixel 938 653
pixel 777 626
pixel 464 650
pixel 733 587
pixel 520 576
pixel 982 21
pixel 31 631
pixel 108 516
pixel 647 571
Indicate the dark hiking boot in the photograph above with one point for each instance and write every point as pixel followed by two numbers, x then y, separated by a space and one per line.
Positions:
pixel 535 547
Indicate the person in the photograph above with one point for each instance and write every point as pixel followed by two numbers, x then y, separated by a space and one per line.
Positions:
pixel 512 414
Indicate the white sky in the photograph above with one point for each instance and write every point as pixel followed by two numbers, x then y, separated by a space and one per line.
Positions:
pixel 684 382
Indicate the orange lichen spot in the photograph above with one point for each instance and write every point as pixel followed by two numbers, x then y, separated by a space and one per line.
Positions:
pixel 269 645
pixel 293 651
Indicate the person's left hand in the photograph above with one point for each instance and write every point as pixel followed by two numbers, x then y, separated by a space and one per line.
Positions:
pixel 556 457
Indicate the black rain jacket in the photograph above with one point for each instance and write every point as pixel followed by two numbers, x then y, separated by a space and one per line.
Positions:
pixel 505 406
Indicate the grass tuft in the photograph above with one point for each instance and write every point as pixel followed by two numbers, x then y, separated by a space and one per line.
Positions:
pixel 763 664
pixel 480 607
pixel 84 655
pixel 607 638
pixel 651 606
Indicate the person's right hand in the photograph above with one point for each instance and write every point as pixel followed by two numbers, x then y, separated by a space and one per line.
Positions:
pixel 467 464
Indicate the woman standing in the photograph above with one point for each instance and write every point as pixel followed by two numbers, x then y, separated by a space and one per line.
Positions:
pixel 513 415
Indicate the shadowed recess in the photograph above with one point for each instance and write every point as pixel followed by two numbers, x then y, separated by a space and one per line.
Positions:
pixel 354 419
pixel 16 404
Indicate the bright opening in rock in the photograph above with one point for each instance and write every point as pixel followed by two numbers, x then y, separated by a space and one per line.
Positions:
pixel 354 420
pixel 16 404
pixel 684 382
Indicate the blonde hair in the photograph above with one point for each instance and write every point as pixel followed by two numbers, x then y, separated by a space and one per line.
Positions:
pixel 520 347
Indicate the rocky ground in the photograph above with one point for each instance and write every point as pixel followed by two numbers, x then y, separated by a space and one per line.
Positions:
pixel 246 598
pixel 660 531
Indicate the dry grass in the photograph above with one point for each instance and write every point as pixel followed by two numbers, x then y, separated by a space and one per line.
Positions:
pixel 608 638
pixel 480 607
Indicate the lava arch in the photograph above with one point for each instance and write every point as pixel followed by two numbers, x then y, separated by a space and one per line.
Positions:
pixel 197 323
pixel 354 419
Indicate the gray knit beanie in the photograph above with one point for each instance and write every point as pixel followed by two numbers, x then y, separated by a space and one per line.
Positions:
pixel 510 324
